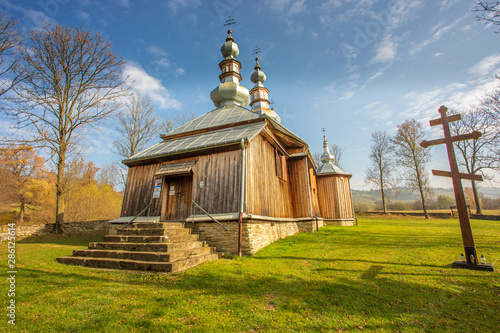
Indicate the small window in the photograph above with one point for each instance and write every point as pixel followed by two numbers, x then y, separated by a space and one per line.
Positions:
pixel 279 164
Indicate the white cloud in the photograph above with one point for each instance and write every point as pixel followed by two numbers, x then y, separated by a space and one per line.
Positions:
pixel 386 51
pixel 486 66
pixel 347 96
pixel 438 54
pixel 150 86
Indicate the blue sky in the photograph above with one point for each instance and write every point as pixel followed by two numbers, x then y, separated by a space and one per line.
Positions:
pixel 352 67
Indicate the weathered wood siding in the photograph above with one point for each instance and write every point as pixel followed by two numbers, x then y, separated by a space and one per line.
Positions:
pixel 297 174
pixel 139 191
pixel 220 172
pixel 334 195
pixel 221 176
pixel 266 193
pixel 314 191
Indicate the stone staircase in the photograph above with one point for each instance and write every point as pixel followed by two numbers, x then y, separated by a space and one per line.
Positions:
pixel 146 246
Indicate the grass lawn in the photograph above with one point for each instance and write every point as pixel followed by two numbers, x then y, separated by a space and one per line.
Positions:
pixel 387 274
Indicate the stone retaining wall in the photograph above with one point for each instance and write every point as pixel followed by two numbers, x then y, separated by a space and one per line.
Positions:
pixel 23 231
pixel 256 234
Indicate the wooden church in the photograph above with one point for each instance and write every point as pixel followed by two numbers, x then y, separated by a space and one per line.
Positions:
pixel 234 176
pixel 239 164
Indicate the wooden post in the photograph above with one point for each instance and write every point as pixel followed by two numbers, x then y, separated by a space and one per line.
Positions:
pixel 456 176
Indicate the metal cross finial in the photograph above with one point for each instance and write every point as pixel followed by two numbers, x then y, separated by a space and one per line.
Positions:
pixel 324 132
pixel 256 50
pixel 230 21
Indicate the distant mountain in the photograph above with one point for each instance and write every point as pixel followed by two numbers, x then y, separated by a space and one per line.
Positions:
pixel 405 195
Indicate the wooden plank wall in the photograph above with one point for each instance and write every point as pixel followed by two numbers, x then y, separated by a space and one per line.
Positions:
pixel 221 174
pixel 139 190
pixel 334 195
pixel 266 193
pixel 314 191
pixel 297 174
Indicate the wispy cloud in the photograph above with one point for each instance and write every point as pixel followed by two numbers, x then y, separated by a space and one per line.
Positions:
pixel 150 86
pixel 288 10
pixel 402 12
pixel 82 16
pixel 179 5
pixel 486 66
pixel 162 63
pixel 386 51
pixel 437 31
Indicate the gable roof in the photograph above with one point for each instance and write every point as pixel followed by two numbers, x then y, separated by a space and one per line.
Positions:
pixel 223 115
pixel 219 138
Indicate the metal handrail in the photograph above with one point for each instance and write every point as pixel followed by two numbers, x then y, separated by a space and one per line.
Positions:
pixel 142 211
pixel 213 218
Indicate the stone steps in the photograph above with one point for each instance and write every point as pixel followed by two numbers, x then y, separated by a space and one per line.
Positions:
pixel 168 267
pixel 160 247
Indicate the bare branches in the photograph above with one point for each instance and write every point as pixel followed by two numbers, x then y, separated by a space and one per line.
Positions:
pixel 413 157
pixel 73 81
pixel 174 122
pixel 10 40
pixel 490 11
pixel 137 126
pixel 381 171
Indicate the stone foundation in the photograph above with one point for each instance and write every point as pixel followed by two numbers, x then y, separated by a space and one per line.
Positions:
pixel 257 231
pixel 341 222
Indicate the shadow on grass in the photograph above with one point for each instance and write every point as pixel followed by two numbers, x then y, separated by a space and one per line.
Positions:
pixel 353 260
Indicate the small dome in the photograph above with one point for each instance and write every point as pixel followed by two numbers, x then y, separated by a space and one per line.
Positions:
pixel 230 48
pixel 258 75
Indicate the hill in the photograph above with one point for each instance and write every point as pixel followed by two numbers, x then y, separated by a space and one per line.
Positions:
pixel 370 199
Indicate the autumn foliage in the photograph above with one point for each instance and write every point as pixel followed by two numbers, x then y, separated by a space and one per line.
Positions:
pixel 27 194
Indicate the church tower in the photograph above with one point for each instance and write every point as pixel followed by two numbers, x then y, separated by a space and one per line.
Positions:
pixel 229 91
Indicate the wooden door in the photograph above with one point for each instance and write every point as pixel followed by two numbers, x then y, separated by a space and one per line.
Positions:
pixel 176 205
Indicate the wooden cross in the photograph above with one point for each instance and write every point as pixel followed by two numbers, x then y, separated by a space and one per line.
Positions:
pixel 456 176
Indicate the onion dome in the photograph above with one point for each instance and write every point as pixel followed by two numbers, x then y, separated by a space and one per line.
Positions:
pixel 327 157
pixel 229 91
pixel 328 167
pixel 230 48
pixel 260 94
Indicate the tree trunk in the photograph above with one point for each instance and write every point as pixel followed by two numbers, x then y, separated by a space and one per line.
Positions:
pixel 59 227
pixel 479 209
pixel 22 209
pixel 422 195
pixel 384 205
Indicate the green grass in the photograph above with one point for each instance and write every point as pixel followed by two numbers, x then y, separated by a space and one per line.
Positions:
pixel 387 274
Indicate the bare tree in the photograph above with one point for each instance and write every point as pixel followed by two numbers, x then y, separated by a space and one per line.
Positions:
pixel 490 11
pixel 10 40
pixel 176 121
pixel 381 172
pixel 73 82
pixel 137 126
pixel 335 150
pixel 477 155
pixel 413 158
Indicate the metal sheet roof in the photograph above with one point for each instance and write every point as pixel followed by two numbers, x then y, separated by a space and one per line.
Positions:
pixel 331 169
pixel 175 168
pixel 224 115
pixel 213 139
